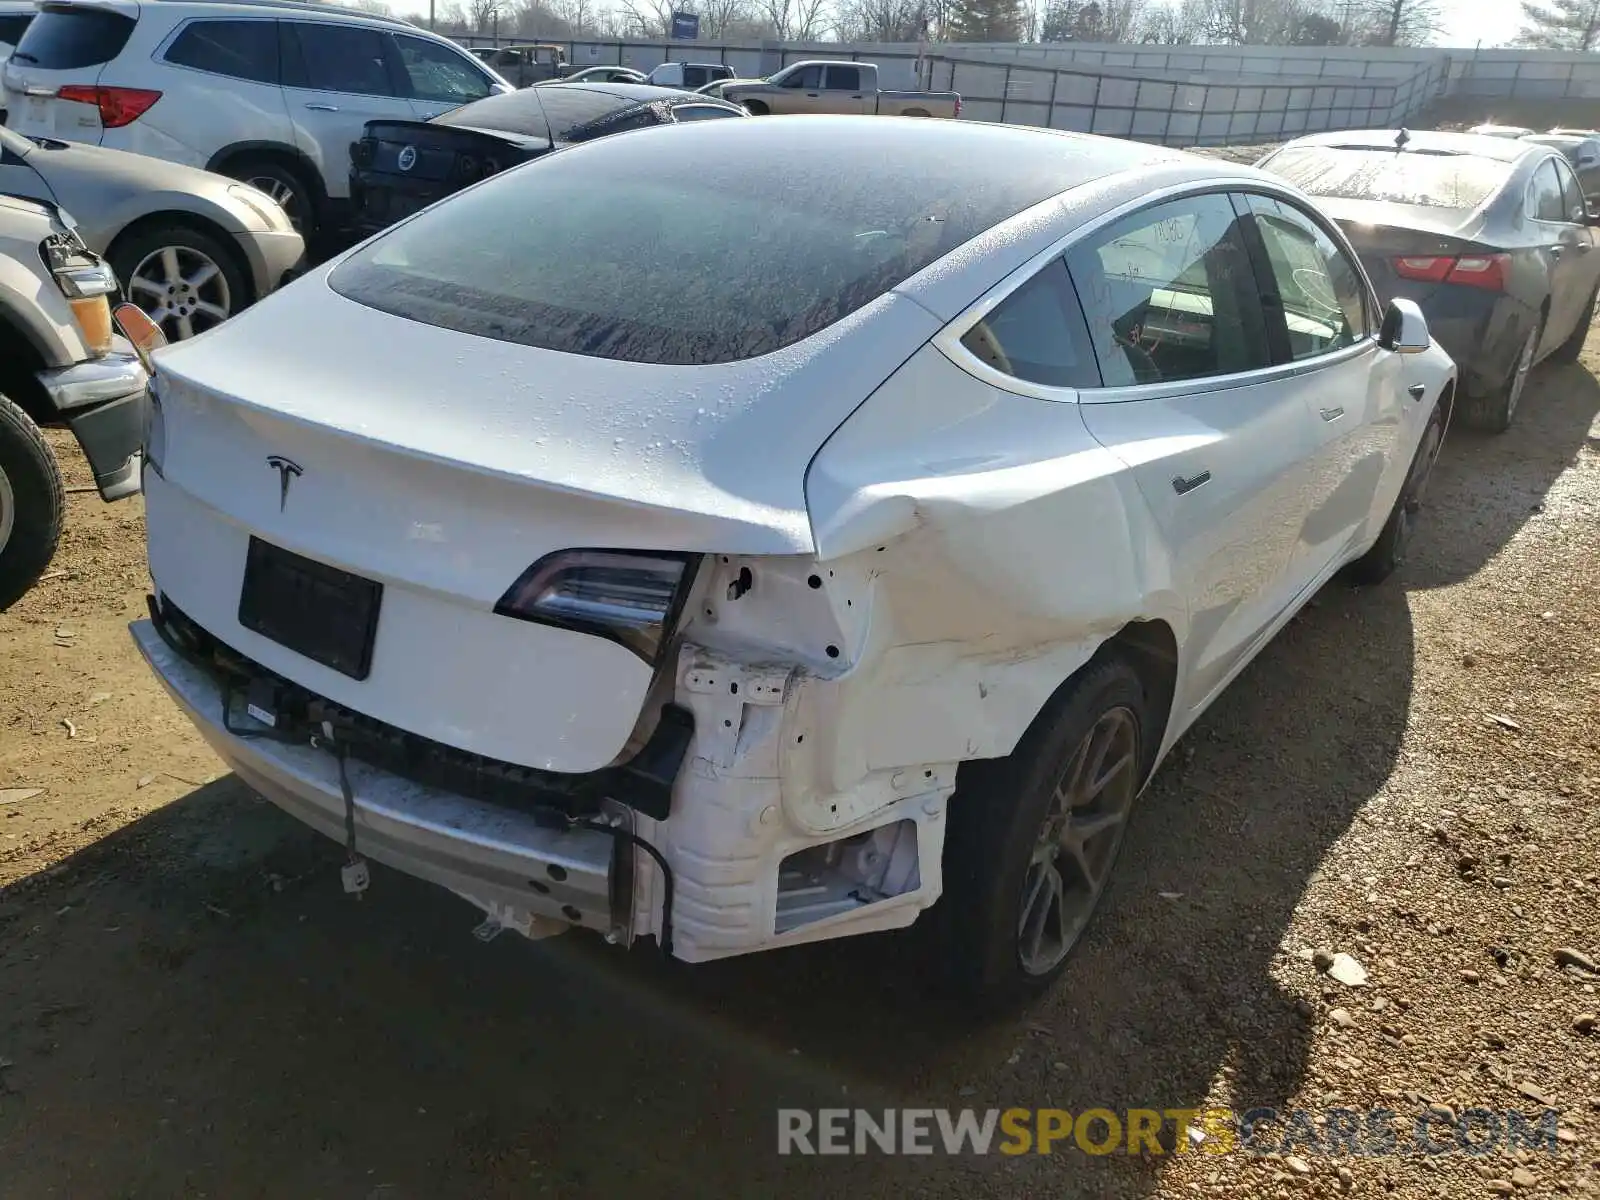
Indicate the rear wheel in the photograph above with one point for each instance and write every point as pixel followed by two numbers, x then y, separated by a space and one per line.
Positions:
pixel 1033 837
pixel 31 504
pixel 285 186
pixel 1569 350
pixel 1389 551
pixel 1495 410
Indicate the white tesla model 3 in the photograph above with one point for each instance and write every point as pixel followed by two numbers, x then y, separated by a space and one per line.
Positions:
pixel 748 533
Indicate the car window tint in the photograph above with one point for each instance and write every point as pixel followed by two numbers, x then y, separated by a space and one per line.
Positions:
pixel 621 122
pixel 1544 194
pixel 437 72
pixel 240 49
pixel 701 112
pixel 1320 290
pixel 521 111
pixel 1571 194
pixel 692 246
pixel 342 58
pixel 64 39
pixel 1358 173
pixel 844 79
pixel 1037 334
pixel 1169 294
pixel 808 78
pixel 12 27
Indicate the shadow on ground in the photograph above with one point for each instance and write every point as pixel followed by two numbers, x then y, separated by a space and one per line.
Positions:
pixel 193 1007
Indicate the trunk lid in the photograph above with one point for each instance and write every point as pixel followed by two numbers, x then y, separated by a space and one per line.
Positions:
pixel 443 465
pixel 1381 232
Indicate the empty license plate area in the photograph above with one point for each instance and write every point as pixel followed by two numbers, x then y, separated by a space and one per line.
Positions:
pixel 322 612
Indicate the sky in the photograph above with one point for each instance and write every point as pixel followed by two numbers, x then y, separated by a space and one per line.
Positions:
pixel 1466 22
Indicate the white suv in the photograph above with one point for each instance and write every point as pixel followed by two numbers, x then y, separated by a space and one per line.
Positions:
pixel 268 91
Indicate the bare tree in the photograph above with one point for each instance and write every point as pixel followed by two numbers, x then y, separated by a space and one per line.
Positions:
pixel 1401 22
pixel 794 20
pixel 884 20
pixel 1175 24
pixel 1253 22
pixel 581 16
pixel 718 16
pixel 650 18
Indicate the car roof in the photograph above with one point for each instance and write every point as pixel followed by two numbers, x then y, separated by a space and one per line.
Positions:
pixel 1424 141
pixel 338 12
pixel 642 93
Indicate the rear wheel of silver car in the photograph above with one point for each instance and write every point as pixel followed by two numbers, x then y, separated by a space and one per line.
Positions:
pixel 31 503
pixel 1389 551
pixel 286 187
pixel 185 279
pixel 1495 411
pixel 1032 838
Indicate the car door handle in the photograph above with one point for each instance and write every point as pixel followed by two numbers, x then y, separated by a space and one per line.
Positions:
pixel 323 107
pixel 1184 486
pixel 812 95
pixel 858 96
pixel 1417 391
pixel 1583 247
pixel 1332 414
pixel 1555 251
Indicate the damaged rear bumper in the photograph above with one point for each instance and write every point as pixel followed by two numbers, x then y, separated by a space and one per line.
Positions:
pixel 523 873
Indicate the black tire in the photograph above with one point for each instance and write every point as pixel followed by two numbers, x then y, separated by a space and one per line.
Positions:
pixel 1569 350
pixel 1389 551
pixel 997 822
pixel 145 245
pixel 287 186
pixel 1494 411
pixel 30 492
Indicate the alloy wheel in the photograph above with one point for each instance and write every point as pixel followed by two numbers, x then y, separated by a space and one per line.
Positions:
pixel 1524 367
pixel 281 192
pixel 1078 841
pixel 182 290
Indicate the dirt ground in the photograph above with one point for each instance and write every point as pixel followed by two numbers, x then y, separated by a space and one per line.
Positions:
pixel 189 1006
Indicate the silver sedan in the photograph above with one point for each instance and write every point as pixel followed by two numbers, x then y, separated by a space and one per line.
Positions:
pixel 189 247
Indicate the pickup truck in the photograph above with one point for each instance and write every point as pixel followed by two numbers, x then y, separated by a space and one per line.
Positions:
pixel 835 87
pixel 524 65
pixel 691 77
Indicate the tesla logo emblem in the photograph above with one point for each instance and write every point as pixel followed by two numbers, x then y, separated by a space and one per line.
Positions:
pixel 407 159
pixel 286 471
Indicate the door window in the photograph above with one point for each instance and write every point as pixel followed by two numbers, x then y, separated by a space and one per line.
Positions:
pixel 806 78
pixel 1169 294
pixel 844 79
pixel 1545 202
pixel 1037 334
pixel 1319 289
pixel 240 49
pixel 336 58
pixel 1571 194
pixel 436 72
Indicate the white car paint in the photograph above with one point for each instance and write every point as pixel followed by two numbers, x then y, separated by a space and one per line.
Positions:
pixel 906 554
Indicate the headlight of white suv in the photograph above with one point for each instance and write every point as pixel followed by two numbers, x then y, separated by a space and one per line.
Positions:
pixel 623 596
pixel 263 205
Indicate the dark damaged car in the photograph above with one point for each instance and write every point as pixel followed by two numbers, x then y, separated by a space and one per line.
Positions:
pixel 401 167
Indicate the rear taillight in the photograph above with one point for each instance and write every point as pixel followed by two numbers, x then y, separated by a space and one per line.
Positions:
pixel 630 597
pixel 118 106
pixel 1486 271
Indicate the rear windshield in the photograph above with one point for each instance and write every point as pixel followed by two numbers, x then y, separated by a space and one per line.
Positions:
pixel 693 244
pixel 65 38
pixel 1412 177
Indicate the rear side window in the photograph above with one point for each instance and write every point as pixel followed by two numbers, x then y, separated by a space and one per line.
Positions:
pixel 336 58
pixel 1571 194
pixel 1319 289
pixel 701 112
pixel 1358 173
pixel 241 49
pixel 12 27
pixel 437 72
pixel 1169 294
pixel 1037 334
pixel 844 79
pixel 66 37
pixel 1545 202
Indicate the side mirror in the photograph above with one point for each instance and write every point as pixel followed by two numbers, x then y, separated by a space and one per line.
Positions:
pixel 140 330
pixel 1404 329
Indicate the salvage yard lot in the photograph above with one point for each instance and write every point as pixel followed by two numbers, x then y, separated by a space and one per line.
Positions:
pixel 190 1006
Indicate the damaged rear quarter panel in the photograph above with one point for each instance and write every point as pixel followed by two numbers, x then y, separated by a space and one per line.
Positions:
pixel 994 544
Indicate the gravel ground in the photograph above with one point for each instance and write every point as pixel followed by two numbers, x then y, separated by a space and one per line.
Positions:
pixel 1408 775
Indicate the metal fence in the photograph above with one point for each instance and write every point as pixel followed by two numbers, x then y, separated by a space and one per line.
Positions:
pixel 1171 106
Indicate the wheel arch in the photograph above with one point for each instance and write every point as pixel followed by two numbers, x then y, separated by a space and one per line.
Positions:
pixel 1151 647
pixel 21 358
pixel 282 153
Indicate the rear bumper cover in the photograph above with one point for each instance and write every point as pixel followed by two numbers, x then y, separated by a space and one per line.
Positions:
pixel 103 401
pixel 508 863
